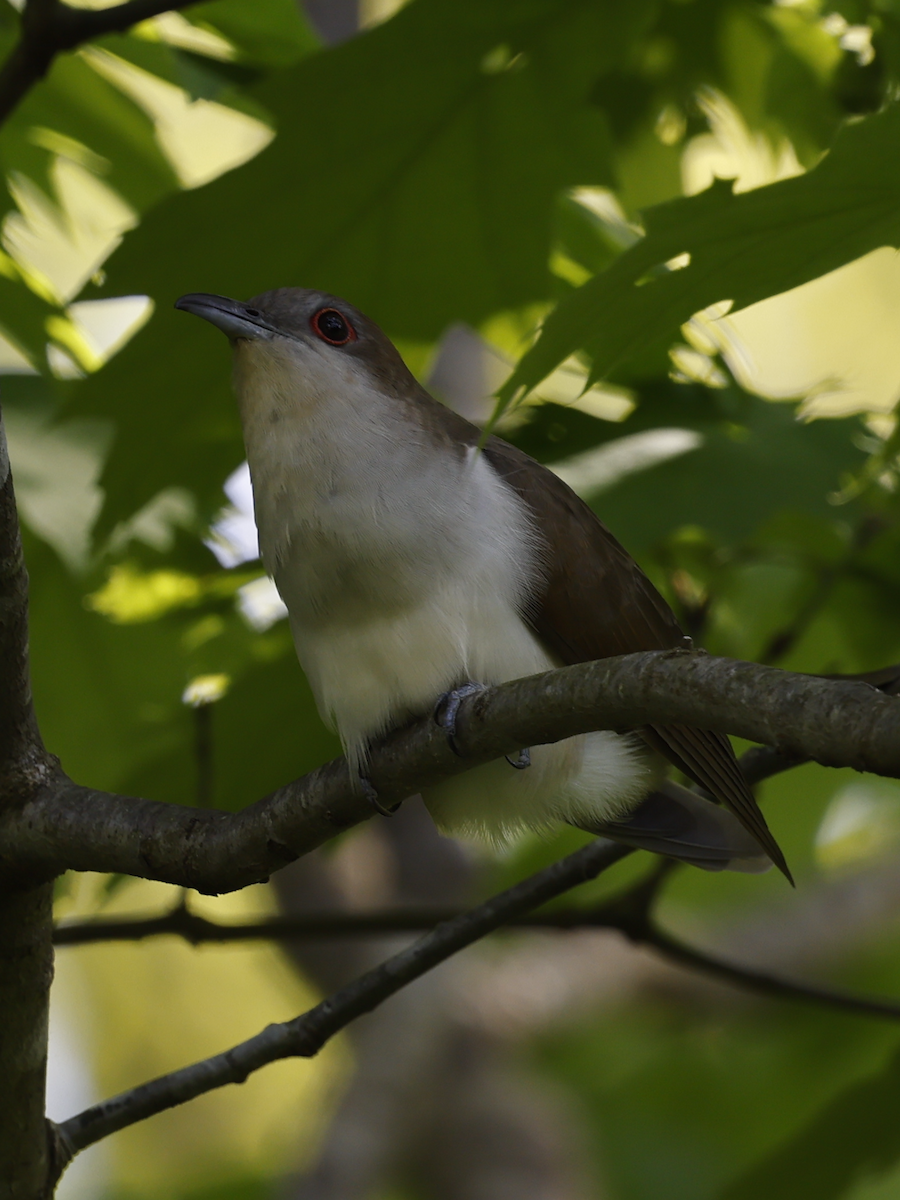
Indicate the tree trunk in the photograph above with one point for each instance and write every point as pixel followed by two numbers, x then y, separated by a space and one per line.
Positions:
pixel 26 970
pixel 26 915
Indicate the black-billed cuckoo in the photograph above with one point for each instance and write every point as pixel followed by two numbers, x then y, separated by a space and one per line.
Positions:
pixel 411 562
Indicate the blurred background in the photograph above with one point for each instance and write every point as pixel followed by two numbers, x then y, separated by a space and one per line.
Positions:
pixel 455 169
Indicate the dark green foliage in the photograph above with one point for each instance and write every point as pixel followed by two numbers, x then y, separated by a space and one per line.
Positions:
pixel 423 170
pixel 849 1140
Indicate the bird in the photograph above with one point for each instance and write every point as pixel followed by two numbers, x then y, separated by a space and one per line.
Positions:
pixel 419 561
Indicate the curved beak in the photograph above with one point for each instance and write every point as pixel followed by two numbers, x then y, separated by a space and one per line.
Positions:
pixel 234 318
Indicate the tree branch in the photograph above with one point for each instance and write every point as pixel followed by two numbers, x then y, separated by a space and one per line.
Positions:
pixel 749 978
pixel 26 970
pixel 762 762
pixel 629 913
pixel 757 764
pixel 835 722
pixel 307 1034
pixel 49 28
pixel 26 951
pixel 181 922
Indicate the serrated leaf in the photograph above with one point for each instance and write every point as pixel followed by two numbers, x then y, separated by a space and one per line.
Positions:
pixel 742 248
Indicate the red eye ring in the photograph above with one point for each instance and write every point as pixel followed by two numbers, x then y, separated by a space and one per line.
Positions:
pixel 332 327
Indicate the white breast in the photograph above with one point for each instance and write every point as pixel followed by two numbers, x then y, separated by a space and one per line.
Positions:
pixel 445 580
pixel 404 569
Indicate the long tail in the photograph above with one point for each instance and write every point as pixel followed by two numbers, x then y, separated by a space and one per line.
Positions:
pixel 682 825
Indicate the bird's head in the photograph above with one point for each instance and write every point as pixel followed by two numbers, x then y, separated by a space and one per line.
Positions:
pixel 304 346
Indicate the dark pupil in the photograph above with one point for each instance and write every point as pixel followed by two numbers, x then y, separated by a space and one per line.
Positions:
pixel 333 326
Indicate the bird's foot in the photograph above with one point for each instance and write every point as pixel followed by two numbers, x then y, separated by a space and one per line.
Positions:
pixel 521 761
pixel 447 709
pixel 371 794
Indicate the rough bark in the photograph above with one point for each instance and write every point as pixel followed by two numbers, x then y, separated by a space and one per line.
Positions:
pixel 26 970
pixel 26 949
pixel 66 826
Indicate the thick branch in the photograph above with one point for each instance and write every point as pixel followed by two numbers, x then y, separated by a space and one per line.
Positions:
pixel 307 1034
pixel 757 763
pixel 26 951
pixel 26 970
pixel 49 28
pixel 835 722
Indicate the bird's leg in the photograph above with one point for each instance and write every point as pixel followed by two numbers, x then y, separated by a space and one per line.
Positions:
pixel 521 761
pixel 371 794
pixel 447 709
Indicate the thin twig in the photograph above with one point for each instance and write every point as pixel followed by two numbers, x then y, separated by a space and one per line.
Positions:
pixel 760 763
pixel 179 921
pixel 629 913
pixel 783 640
pixel 85 24
pixel 307 1034
pixel 768 985
pixel 197 930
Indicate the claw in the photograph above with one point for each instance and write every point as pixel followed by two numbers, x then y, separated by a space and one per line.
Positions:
pixel 447 709
pixel 521 761
pixel 371 794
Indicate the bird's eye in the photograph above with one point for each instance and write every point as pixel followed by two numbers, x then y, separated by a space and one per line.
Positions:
pixel 332 327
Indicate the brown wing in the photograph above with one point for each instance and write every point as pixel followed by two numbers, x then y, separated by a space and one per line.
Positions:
pixel 597 603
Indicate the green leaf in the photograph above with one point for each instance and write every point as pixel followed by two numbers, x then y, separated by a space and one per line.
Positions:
pixel 201 77
pixel 754 460
pixel 78 103
pixel 742 248
pixel 268 32
pixel 851 1139
pixel 56 466
pixel 423 189
pixel 108 697
pixel 23 318
pixel 684 1086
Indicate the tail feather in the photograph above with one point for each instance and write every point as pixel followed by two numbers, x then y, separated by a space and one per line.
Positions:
pixel 678 823
pixel 709 760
